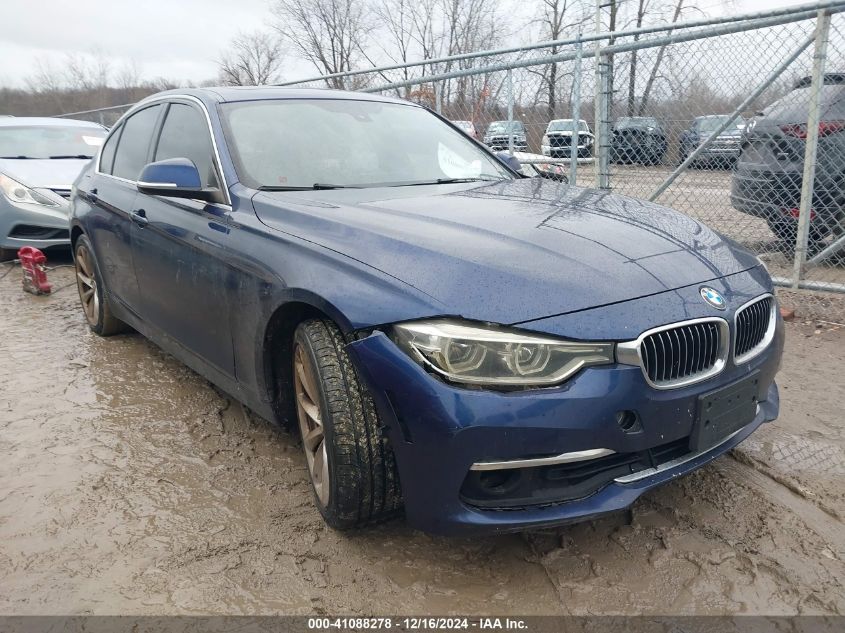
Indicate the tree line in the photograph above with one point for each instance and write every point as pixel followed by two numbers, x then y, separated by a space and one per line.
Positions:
pixel 337 36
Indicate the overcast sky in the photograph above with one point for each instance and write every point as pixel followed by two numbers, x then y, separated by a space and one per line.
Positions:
pixel 176 39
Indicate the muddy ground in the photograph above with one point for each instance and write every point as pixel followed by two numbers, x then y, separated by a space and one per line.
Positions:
pixel 128 484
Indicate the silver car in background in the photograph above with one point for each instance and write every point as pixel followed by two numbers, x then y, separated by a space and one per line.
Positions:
pixel 39 160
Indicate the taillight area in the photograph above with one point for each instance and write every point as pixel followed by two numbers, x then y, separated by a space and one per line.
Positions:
pixel 826 128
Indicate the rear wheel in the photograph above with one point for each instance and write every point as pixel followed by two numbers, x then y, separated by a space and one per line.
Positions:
pixel 92 295
pixel 350 463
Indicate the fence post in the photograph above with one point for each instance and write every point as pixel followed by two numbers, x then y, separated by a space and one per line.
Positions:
pixel 602 123
pixel 576 111
pixel 811 148
pixel 438 98
pixel 510 110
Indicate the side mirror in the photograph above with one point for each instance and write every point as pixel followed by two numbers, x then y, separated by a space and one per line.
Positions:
pixel 510 161
pixel 174 177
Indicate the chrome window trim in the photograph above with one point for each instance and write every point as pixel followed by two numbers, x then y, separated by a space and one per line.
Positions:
pixel 168 98
pixel 144 183
pixel 629 353
pixel 768 337
pixel 563 458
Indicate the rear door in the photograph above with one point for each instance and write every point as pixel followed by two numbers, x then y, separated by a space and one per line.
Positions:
pixel 111 194
pixel 179 249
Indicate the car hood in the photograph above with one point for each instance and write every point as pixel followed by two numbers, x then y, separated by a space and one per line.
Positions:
pixel 510 252
pixel 43 173
pixel 566 133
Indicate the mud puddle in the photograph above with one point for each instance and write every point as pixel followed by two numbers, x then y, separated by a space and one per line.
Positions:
pixel 128 484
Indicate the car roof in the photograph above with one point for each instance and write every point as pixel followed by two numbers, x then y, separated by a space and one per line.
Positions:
pixel 23 121
pixel 231 94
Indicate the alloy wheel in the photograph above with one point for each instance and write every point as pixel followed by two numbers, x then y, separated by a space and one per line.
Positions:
pixel 86 282
pixel 311 423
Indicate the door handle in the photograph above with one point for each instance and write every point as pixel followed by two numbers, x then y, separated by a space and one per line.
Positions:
pixel 139 217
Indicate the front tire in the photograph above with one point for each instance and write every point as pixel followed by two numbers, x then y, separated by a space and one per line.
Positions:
pixel 92 295
pixel 350 463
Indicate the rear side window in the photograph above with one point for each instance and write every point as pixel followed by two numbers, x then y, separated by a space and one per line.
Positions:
pixel 185 134
pixel 131 155
pixel 107 155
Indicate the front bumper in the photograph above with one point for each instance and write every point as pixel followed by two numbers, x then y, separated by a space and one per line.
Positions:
pixel 33 225
pixel 438 431
pixel 723 152
pixel 557 151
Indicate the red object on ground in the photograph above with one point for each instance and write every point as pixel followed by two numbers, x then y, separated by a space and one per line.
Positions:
pixel 34 271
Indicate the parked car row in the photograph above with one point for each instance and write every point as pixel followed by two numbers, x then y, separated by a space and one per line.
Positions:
pixel 638 139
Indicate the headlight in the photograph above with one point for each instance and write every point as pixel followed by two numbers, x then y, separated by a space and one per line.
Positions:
pixel 545 140
pixel 490 356
pixel 16 192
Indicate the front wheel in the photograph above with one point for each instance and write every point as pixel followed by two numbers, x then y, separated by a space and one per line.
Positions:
pixel 350 463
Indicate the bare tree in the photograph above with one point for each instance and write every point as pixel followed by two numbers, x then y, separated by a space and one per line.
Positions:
pixel 328 33
pixel 253 59
pixel 679 7
pixel 555 20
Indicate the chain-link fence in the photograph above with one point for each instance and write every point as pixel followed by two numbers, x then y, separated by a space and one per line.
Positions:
pixel 737 121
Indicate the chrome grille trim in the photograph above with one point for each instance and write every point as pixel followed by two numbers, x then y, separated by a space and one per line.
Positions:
pixel 754 327
pixel 702 345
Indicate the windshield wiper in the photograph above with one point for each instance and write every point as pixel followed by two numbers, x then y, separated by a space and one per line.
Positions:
pixel 447 181
pixel 60 156
pixel 315 186
pixel 18 157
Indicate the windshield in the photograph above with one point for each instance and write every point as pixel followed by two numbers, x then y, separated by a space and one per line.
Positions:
pixel 50 141
pixel 300 143
pixel 565 125
pixel 635 122
pixel 502 127
pixel 710 124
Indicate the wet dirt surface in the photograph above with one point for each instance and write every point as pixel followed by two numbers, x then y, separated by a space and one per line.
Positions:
pixel 128 484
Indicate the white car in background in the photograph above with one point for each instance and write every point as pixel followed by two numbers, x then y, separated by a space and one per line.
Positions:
pixel 557 141
pixel 40 158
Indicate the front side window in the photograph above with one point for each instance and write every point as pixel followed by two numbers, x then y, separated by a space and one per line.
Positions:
pixel 567 125
pixel 134 145
pixel 710 124
pixel 50 141
pixel 505 127
pixel 299 143
pixel 185 134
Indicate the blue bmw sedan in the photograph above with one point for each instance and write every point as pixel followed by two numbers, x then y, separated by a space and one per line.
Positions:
pixel 489 351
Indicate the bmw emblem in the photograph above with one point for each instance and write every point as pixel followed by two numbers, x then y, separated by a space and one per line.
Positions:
pixel 713 298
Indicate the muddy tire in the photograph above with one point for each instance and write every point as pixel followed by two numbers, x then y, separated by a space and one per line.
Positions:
pixel 350 462
pixel 92 294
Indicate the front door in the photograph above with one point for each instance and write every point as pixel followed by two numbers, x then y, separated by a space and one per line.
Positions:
pixel 179 246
